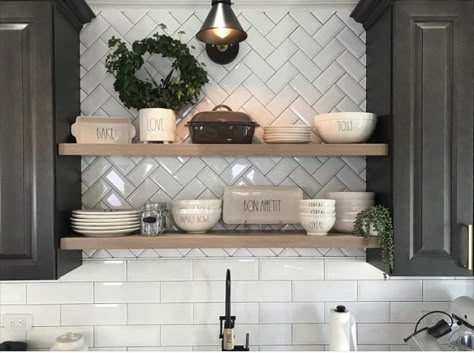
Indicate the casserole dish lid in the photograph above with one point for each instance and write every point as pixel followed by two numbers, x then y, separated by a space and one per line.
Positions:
pixel 219 116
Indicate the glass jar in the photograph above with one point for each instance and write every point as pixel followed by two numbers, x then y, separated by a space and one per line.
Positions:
pixel 164 218
pixel 155 218
pixel 150 219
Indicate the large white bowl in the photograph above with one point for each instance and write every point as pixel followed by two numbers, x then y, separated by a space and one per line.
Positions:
pixel 196 223
pixel 197 204
pixel 196 211
pixel 355 203
pixel 347 127
pixel 340 209
pixel 348 195
pixel 317 226
pixel 344 226
pixel 317 203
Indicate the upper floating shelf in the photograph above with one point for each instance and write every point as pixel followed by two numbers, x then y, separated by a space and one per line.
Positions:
pixel 289 150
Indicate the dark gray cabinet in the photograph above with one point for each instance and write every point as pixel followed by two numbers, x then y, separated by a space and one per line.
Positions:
pixel 420 80
pixel 39 99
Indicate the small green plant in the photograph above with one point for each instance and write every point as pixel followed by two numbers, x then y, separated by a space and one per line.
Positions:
pixel 174 91
pixel 376 220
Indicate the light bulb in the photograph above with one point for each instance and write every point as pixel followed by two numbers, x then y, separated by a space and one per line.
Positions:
pixel 222 32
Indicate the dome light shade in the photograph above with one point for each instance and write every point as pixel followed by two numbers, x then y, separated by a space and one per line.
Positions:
pixel 221 26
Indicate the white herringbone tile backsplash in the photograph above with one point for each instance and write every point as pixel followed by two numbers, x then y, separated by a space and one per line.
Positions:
pixel 293 66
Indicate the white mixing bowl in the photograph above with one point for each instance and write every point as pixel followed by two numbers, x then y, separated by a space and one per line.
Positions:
pixel 344 226
pixel 347 127
pixel 196 211
pixel 197 204
pixel 196 223
pixel 354 203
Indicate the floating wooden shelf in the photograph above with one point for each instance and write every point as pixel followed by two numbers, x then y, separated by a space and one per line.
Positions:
pixel 72 149
pixel 220 240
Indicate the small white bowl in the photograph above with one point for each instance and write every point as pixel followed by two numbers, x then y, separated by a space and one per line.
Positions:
pixel 317 215
pixel 347 195
pixel 196 223
pixel 347 127
pixel 344 226
pixel 318 211
pixel 198 212
pixel 317 226
pixel 318 203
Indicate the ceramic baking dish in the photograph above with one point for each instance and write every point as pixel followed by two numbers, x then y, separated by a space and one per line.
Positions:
pixel 219 126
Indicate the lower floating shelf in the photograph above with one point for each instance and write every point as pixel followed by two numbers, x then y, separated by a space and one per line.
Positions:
pixel 220 240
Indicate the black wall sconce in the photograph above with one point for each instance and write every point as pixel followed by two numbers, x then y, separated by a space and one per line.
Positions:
pixel 222 33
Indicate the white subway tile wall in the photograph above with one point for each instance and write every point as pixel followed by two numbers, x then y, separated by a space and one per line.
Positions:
pixel 283 302
pixel 293 65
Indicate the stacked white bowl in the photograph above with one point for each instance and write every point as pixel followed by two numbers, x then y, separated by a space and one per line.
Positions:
pixel 196 216
pixel 317 216
pixel 348 205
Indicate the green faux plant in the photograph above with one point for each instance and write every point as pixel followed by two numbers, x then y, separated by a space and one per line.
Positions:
pixel 377 220
pixel 172 92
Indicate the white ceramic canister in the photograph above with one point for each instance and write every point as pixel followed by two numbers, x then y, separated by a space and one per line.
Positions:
pixel 70 342
pixel 157 125
pixel 342 327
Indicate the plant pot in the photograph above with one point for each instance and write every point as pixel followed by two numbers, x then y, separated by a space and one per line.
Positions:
pixel 372 232
pixel 157 125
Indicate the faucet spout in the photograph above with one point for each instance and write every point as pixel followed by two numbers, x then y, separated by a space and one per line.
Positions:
pixel 228 318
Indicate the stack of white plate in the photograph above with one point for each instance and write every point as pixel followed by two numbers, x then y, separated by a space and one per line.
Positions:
pixel 348 205
pixel 105 223
pixel 317 216
pixel 196 216
pixel 287 134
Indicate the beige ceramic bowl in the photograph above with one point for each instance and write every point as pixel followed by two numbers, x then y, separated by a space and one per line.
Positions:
pixel 354 127
pixel 196 223
pixel 317 203
pixel 317 225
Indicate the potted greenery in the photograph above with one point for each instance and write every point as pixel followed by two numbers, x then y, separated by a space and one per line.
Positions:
pixel 157 102
pixel 376 221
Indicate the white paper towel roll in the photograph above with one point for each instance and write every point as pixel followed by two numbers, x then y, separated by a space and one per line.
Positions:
pixel 340 325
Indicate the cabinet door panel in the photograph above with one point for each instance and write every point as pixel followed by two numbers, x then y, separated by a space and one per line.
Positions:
pixel 433 132
pixel 27 249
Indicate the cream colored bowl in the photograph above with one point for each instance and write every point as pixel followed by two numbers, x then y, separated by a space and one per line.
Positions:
pixel 348 195
pixel 347 127
pixel 317 226
pixel 318 210
pixel 355 203
pixel 340 209
pixel 197 203
pixel 317 203
pixel 344 226
pixel 196 211
pixel 196 223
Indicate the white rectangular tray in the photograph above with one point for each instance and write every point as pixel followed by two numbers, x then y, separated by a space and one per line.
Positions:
pixel 262 205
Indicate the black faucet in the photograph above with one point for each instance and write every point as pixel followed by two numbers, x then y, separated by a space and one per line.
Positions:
pixel 227 334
